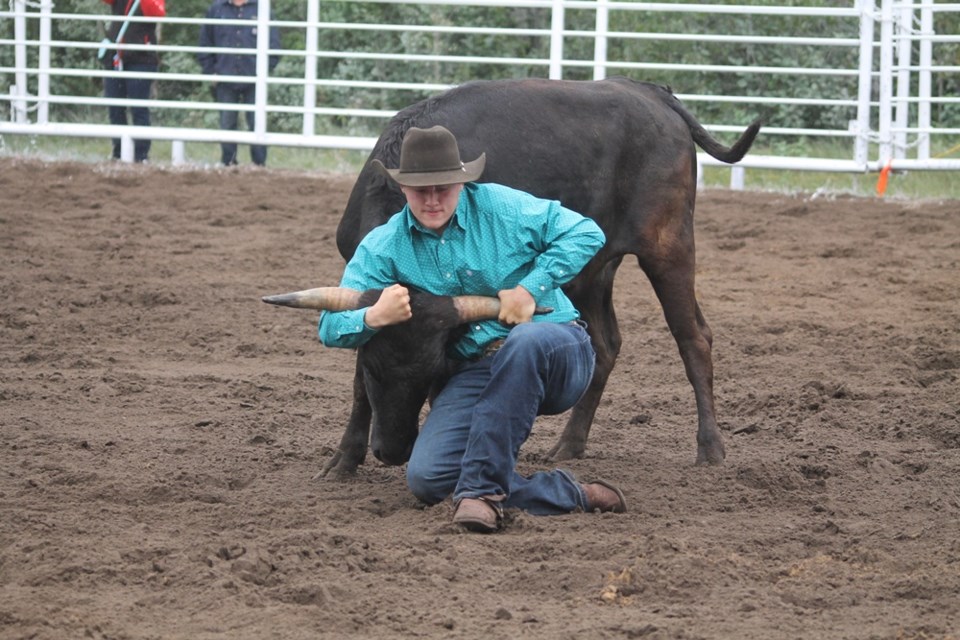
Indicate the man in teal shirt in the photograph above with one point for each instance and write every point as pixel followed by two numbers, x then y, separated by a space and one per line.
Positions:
pixel 458 237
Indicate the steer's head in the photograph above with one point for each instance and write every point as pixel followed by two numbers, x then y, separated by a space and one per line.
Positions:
pixel 402 363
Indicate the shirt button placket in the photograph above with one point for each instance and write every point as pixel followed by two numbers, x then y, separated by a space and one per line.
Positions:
pixel 446 262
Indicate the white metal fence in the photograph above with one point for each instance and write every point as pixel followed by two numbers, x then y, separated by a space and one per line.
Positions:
pixel 890 93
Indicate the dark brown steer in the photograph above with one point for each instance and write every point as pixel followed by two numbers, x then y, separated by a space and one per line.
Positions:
pixel 618 151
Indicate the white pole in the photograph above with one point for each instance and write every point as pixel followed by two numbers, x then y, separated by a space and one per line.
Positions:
pixel 178 152
pixel 43 79
pixel 737 175
pixel 600 41
pixel 126 147
pixel 886 80
pixel 310 68
pixel 925 82
pixel 263 69
pixel 904 29
pixel 861 147
pixel 556 40
pixel 19 107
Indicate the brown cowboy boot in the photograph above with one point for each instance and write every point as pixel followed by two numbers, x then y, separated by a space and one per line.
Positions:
pixel 603 496
pixel 481 515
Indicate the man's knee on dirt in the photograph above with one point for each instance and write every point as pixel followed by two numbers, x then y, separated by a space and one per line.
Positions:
pixel 424 482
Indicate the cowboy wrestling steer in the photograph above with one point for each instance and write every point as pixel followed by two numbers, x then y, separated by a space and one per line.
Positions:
pixel 399 367
pixel 619 151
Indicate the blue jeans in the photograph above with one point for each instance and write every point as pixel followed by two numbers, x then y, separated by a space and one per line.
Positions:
pixel 132 88
pixel 238 93
pixel 471 438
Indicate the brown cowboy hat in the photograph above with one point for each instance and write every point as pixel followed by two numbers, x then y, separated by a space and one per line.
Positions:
pixel 430 157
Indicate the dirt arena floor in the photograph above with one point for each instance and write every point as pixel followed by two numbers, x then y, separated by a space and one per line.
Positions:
pixel 160 427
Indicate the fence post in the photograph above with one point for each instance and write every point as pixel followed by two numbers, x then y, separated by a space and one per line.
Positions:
pixel 600 40
pixel 737 177
pixel 43 61
pixel 126 147
pixel 178 152
pixel 904 24
pixel 925 81
pixel 557 20
pixel 263 70
pixel 310 68
pixel 886 81
pixel 19 107
pixel 861 148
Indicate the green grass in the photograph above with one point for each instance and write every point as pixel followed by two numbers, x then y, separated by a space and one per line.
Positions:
pixel 908 184
pixel 196 153
pixel 913 184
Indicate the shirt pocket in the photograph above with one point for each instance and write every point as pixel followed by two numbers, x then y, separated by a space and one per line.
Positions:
pixel 477 282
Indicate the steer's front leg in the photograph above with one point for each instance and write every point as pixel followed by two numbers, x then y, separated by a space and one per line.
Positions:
pixel 353 445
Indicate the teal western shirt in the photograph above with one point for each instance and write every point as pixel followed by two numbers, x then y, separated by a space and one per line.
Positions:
pixel 497 238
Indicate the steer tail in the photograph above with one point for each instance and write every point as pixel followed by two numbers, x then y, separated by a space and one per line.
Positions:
pixel 707 142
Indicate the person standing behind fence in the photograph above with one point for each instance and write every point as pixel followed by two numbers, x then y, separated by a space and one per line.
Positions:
pixel 231 36
pixel 131 62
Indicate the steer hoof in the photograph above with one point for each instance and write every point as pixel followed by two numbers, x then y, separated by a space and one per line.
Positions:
pixel 337 468
pixel 565 451
pixel 711 455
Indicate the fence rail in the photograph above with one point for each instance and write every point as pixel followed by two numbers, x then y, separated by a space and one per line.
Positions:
pixel 888 88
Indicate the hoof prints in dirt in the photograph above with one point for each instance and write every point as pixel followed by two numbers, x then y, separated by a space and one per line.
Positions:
pixel 160 428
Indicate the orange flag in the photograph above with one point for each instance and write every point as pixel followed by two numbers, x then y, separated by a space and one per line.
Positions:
pixel 884 178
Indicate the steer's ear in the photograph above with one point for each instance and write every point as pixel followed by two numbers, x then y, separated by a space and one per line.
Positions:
pixel 321 298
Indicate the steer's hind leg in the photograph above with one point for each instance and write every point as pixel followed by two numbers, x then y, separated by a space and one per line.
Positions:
pixel 353 445
pixel 595 303
pixel 672 277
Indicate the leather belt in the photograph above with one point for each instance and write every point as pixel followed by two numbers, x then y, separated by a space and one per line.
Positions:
pixel 494 345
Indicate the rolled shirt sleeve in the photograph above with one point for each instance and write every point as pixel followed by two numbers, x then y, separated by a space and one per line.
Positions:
pixel 344 329
pixel 568 242
pixel 369 269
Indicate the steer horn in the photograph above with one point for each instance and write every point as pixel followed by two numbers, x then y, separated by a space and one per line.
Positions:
pixel 321 298
pixel 472 308
pixel 469 308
